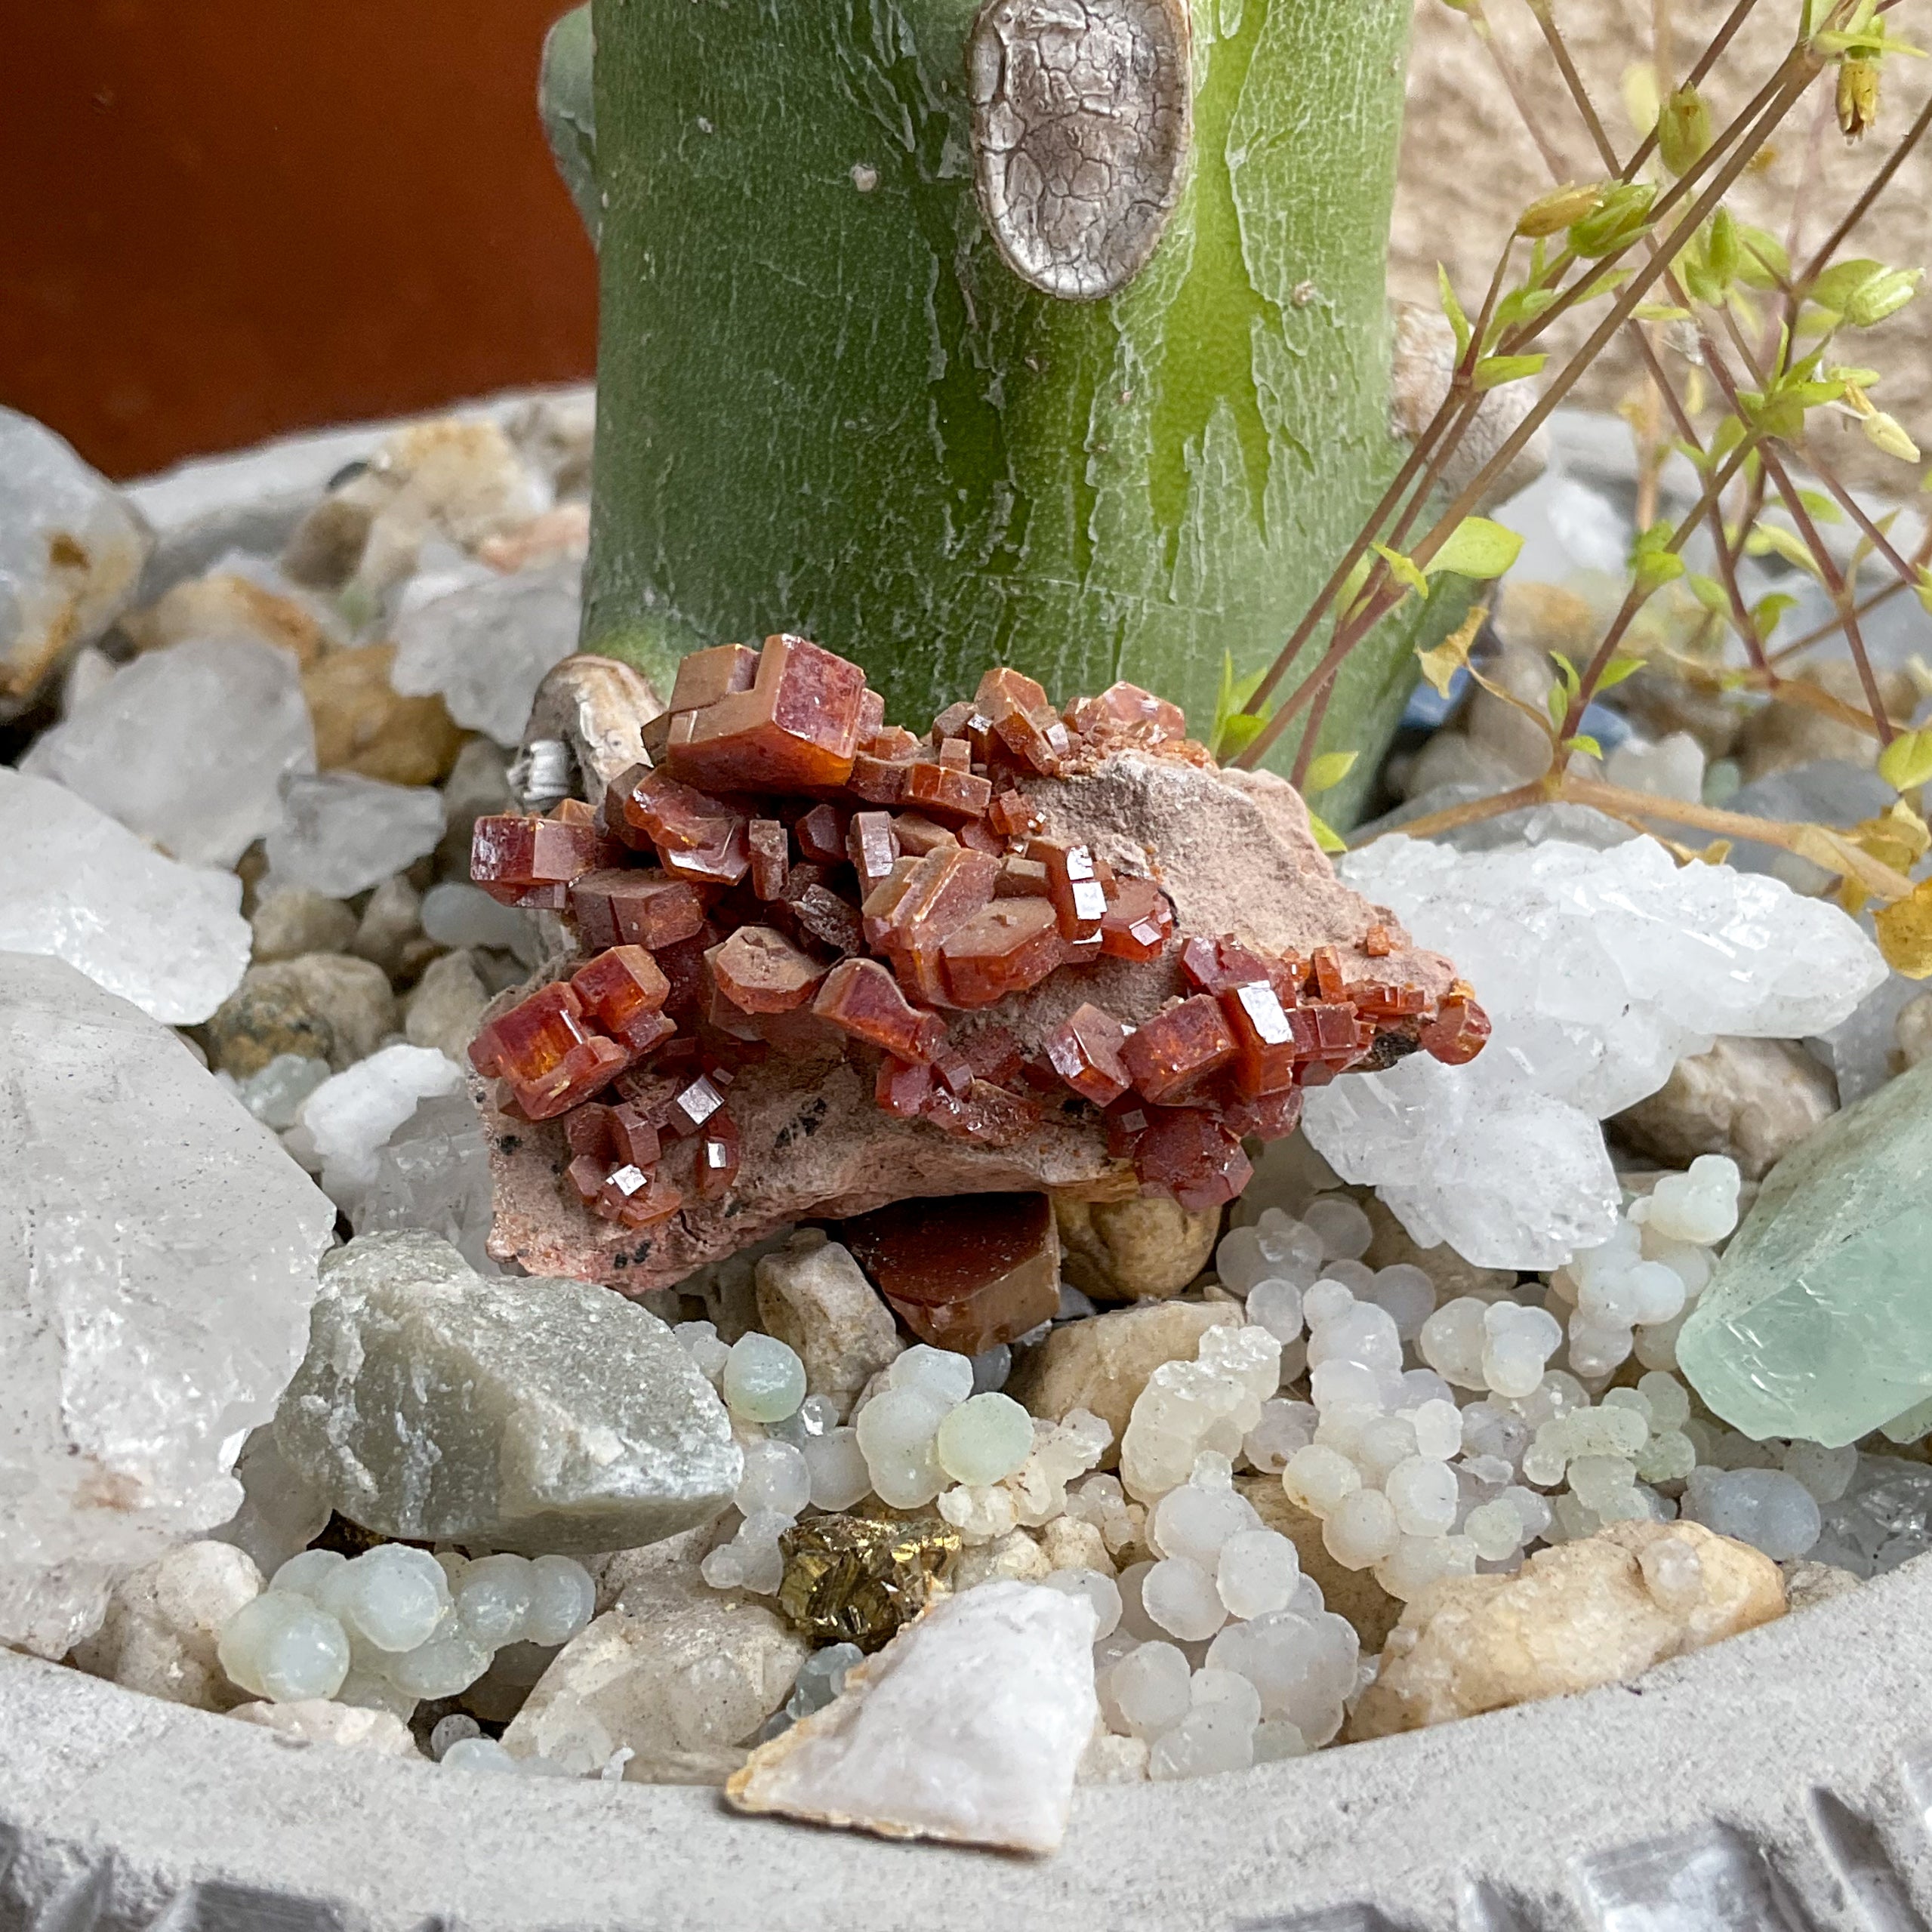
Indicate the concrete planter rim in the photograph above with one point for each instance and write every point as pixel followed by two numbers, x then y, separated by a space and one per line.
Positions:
pixel 1777 1782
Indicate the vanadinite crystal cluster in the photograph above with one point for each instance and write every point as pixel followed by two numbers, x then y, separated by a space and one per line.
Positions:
pixel 971 920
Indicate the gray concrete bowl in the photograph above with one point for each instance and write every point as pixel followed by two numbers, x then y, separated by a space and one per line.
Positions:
pixel 1778 1783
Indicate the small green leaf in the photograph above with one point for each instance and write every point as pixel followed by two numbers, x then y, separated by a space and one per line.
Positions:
pixel 1836 286
pixel 1328 771
pixel 1583 741
pixel 1773 539
pixel 1492 371
pixel 1763 263
pixel 1453 308
pixel 1573 681
pixel 1325 834
pixel 1660 312
pixel 1767 613
pixel 1238 731
pixel 1477 547
pixel 1655 568
pixel 1619 668
pixel 1710 594
pixel 1402 569
pixel 1907 760
pixel 1351 585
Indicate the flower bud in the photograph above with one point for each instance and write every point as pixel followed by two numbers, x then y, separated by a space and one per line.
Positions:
pixel 1619 217
pixel 1560 209
pixel 1684 130
pixel 1883 295
pixel 1858 94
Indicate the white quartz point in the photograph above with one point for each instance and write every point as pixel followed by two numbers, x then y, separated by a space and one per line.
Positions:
pixel 350 1116
pixel 485 645
pixel 72 548
pixel 968 1727
pixel 340 833
pixel 189 746
pixel 1599 971
pixel 74 883
pixel 533 1416
pixel 157 1261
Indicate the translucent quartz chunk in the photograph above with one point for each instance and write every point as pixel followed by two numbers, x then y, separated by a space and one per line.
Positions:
pixel 1004 948
pixel 1085 1050
pixel 617 907
pixel 1176 1047
pixel 761 970
pixel 965 1273
pixel 796 728
pixel 860 996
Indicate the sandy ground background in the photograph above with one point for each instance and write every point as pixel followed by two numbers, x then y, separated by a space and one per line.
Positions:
pixel 1468 167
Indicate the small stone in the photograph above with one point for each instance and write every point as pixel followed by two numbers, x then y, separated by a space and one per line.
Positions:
pixel 281 1514
pixel 525 1415
pixel 287 925
pixel 340 833
pixel 1815 1324
pixel 966 1274
pixel 164 1622
pixel 1102 1363
pixel 859 1579
pixel 225 604
pixel 1576 1615
pixel 1141 1248
pixel 433 1174
pixel 318 1721
pixel 364 724
pixel 485 645
pixel 1751 1100
pixel 1808 1584
pixel 71 551
pixel 683 1679
pixel 350 1117
pixel 156 1199
pixel 390 933
pixel 323 1006
pixel 188 746
pixel 169 939
pixel 813 1296
pixel 446 1006
pixel 968 1727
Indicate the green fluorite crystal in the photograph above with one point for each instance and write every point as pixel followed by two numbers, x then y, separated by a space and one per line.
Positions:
pixel 1818 1322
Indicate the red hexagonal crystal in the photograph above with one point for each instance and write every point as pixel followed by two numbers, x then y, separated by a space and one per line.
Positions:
pixel 705 677
pixel 1213 966
pixel 902 1087
pixel 760 971
pixel 623 906
pixel 1190 1154
pixel 533 1035
pixel 1269 1116
pixel 861 998
pixel 918 908
pixel 619 987
pixel 1005 947
pixel 1458 1032
pixel 581 1073
pixel 770 847
pixel 1178 1047
pixel 1084 1050
pixel 1127 706
pixel 637 1197
pixel 1265 1041
pixel 1137 921
pixel 820 833
pixel 718 1157
pixel 796 729
pixel 872 846
pixel 508 850
pixel 1073 883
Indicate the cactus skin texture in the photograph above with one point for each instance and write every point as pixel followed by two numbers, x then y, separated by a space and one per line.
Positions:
pixel 827 405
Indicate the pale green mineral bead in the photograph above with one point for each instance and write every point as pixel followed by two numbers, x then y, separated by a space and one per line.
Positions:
pixel 280 1647
pixel 764 1379
pixel 986 1438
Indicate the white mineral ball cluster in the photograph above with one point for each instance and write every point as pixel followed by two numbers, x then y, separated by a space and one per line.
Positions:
pixel 396 1624
pixel 1441 1438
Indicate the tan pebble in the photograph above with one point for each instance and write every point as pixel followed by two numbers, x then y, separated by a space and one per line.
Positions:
pixel 1576 1616
pixel 1147 1246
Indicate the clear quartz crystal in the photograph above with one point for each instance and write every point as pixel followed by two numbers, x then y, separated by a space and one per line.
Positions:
pixel 154 1199
pixel 189 747
pixel 169 937
pixel 1599 970
pixel 340 833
